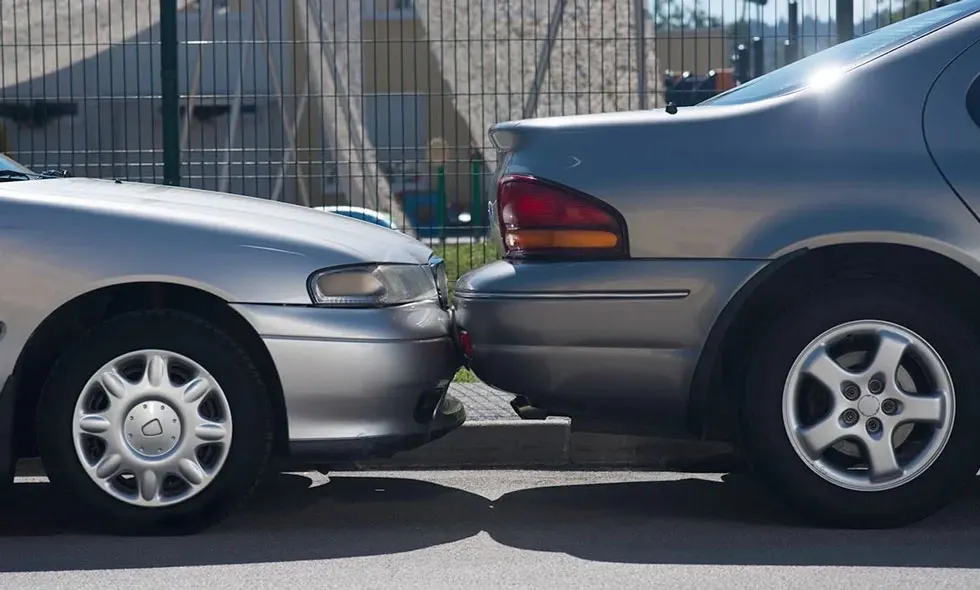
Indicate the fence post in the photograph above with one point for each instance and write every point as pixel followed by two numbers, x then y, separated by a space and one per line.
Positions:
pixel 793 42
pixel 641 53
pixel 170 92
pixel 758 57
pixel 442 200
pixel 476 198
pixel 845 20
pixel 742 63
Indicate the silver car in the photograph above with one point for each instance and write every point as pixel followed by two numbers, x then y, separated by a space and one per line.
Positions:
pixel 793 266
pixel 160 345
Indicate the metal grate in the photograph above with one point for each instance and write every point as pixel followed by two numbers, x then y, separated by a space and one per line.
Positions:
pixel 382 104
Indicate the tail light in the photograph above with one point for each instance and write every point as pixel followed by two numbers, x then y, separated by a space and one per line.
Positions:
pixel 538 218
pixel 465 344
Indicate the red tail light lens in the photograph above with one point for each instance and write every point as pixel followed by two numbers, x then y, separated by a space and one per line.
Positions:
pixel 465 344
pixel 538 218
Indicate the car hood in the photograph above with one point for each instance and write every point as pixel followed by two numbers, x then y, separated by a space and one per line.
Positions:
pixel 258 219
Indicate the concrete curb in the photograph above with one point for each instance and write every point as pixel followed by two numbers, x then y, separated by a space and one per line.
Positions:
pixel 551 443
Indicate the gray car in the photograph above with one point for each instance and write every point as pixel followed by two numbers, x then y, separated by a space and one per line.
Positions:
pixel 159 346
pixel 793 266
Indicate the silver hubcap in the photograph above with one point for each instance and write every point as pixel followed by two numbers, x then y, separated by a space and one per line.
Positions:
pixel 868 405
pixel 152 428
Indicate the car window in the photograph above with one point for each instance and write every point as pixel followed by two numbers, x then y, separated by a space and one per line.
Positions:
pixel 845 56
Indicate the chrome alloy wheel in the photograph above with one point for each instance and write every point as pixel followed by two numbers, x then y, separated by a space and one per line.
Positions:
pixel 868 405
pixel 152 428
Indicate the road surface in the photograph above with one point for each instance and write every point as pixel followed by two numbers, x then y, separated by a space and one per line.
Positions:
pixel 504 529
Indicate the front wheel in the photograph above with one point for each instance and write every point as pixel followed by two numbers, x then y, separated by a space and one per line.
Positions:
pixel 155 422
pixel 861 405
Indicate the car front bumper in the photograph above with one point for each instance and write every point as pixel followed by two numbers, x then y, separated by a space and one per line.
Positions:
pixel 361 383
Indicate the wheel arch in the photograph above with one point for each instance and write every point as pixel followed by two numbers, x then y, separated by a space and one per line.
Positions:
pixel 76 316
pixel 716 384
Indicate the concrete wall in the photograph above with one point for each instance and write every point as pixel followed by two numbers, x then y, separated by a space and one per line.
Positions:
pixel 398 59
pixel 488 51
pixel 697 51
pixel 112 76
pixel 469 63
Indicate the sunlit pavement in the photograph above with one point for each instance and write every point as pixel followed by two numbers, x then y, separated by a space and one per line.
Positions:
pixel 503 529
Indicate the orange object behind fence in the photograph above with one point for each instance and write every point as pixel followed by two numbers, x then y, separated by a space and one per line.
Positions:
pixel 724 79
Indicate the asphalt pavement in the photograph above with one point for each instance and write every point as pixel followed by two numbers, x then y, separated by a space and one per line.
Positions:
pixel 497 529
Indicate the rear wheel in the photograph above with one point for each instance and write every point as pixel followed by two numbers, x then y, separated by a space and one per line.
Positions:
pixel 861 405
pixel 155 422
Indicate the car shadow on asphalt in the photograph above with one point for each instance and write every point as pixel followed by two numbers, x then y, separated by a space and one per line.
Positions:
pixel 677 521
pixel 696 521
pixel 290 519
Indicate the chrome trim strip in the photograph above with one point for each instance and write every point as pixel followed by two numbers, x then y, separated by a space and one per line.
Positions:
pixel 676 294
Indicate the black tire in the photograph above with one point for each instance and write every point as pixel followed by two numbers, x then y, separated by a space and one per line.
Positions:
pixel 767 446
pixel 205 344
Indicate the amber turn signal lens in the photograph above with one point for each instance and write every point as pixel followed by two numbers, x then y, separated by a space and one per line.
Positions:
pixel 547 239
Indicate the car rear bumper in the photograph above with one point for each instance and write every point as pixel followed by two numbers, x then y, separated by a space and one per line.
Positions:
pixel 361 383
pixel 617 339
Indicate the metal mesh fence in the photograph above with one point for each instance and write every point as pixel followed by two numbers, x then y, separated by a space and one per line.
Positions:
pixel 378 104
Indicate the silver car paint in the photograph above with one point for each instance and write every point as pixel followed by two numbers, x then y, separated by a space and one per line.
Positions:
pixel 351 374
pixel 760 180
pixel 845 164
pixel 609 334
pixel 952 136
pixel 345 373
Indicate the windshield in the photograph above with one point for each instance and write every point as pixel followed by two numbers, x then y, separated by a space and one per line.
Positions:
pixel 845 56
pixel 9 164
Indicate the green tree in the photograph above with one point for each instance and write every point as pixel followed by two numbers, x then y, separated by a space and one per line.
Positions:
pixel 740 31
pixel 680 14
pixel 892 11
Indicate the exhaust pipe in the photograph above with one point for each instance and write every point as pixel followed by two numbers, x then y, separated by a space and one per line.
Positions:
pixel 523 408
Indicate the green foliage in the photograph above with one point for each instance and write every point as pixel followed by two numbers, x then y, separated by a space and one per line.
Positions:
pixel 461 259
pixel 672 15
pixel 893 11
pixel 465 376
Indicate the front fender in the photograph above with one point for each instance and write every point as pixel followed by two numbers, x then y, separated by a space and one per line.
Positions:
pixel 8 461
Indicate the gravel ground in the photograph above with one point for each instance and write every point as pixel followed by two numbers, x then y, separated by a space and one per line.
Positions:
pixel 483 402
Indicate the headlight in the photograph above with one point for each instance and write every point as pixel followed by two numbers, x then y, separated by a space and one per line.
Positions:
pixel 375 285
